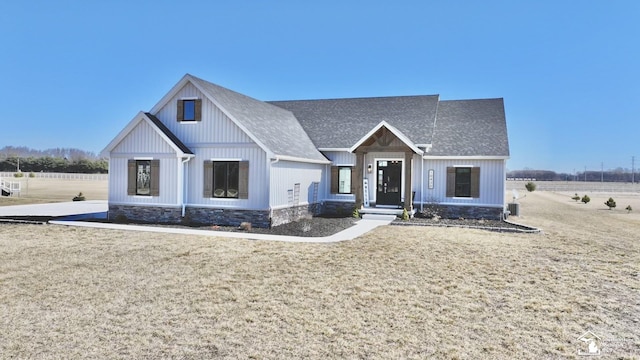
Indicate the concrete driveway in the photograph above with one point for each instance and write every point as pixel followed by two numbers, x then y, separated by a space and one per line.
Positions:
pixel 55 209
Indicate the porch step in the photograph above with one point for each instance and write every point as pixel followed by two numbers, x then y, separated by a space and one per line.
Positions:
pixel 378 217
pixel 385 211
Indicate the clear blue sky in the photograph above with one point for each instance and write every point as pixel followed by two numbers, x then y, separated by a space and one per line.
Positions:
pixel 74 73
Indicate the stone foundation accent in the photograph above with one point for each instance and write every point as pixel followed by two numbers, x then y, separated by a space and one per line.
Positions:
pixel 150 214
pixel 227 217
pixel 461 211
pixel 339 208
pixel 287 215
pixel 266 218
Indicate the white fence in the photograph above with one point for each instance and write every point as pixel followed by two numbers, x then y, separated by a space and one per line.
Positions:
pixel 577 186
pixel 10 187
pixel 63 176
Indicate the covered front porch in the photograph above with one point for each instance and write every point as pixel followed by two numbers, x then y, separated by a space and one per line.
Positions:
pixel 383 172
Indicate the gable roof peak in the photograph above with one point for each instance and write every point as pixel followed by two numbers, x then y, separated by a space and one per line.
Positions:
pixel 274 129
pixel 412 115
pixel 181 149
pixel 397 133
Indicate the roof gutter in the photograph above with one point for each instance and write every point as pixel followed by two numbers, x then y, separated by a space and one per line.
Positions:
pixel 297 159
pixel 470 157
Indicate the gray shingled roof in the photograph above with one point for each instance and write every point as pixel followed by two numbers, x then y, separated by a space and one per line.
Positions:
pixel 274 127
pixel 297 128
pixel 169 134
pixel 470 128
pixel 340 123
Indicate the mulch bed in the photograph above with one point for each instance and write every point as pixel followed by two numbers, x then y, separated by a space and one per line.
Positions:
pixel 312 227
pixel 327 226
pixel 491 225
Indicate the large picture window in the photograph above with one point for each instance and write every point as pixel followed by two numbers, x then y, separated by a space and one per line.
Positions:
pixel 226 179
pixel 341 180
pixel 143 177
pixel 463 182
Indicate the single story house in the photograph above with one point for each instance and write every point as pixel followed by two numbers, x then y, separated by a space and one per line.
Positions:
pixel 208 154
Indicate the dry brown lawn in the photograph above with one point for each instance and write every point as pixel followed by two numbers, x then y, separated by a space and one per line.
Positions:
pixel 42 190
pixel 395 293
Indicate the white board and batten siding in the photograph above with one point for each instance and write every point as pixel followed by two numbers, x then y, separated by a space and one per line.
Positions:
pixel 143 142
pixel 284 175
pixel 216 138
pixel 492 175
pixel 215 127
pixel 338 158
pixel 258 177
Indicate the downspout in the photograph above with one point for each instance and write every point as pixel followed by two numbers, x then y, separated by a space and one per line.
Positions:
pixel 364 174
pixel 271 163
pixel 421 184
pixel 327 180
pixel 185 181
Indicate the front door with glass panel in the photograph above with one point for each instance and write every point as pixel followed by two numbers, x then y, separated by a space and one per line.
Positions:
pixel 388 182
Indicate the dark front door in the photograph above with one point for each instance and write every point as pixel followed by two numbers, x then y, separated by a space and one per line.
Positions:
pixel 388 182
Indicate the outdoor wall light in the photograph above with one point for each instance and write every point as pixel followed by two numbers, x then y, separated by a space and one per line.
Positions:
pixel 369 168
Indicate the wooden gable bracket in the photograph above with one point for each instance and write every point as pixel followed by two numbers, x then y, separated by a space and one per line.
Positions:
pixel 386 139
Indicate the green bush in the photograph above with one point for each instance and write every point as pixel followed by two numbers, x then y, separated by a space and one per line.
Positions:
pixel 405 215
pixel 79 197
pixel 32 175
pixel 586 199
pixel 530 186
pixel 356 213
pixel 19 174
pixel 576 197
pixel 610 203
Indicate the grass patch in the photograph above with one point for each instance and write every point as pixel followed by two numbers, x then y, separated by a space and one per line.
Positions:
pixel 44 190
pixel 397 292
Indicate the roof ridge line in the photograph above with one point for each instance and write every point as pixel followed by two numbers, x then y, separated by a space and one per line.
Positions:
pixel 359 98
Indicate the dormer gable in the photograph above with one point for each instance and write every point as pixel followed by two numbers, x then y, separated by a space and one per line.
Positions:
pixel 272 128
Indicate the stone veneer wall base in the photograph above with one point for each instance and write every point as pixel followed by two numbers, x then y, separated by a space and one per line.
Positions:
pixel 463 211
pixel 266 218
pixel 290 214
pixel 227 217
pixel 210 216
pixel 338 208
pixel 150 214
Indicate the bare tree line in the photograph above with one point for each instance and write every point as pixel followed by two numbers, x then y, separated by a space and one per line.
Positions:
pixel 612 175
pixel 71 154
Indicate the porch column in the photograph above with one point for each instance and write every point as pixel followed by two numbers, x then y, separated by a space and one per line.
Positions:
pixel 408 190
pixel 356 178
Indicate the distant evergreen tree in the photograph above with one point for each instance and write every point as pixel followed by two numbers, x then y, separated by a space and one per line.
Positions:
pixel 610 203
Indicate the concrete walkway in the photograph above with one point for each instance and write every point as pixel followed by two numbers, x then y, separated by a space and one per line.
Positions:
pixel 79 209
pixel 361 227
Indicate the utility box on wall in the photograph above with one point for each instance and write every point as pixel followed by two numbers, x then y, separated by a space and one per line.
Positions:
pixel 514 209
